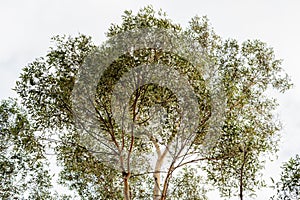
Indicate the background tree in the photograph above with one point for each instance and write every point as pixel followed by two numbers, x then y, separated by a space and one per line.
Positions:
pixel 288 187
pixel 249 127
pixel 232 162
pixel 22 163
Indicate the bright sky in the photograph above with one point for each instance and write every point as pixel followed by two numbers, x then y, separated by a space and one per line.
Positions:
pixel 27 26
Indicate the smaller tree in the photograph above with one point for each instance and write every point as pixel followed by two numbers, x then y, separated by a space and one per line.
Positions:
pixel 288 188
pixel 22 167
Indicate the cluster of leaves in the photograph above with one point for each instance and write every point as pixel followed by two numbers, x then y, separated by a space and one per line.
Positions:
pixel 84 173
pixel 288 188
pixel 49 82
pixel 23 173
pixel 189 178
pixel 249 129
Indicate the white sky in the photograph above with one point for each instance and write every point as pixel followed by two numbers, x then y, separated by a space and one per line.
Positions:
pixel 27 26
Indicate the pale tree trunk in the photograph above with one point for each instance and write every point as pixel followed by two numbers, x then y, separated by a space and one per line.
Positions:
pixel 157 179
pixel 157 170
pixel 157 173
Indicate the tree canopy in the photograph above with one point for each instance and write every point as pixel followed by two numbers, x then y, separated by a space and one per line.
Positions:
pixel 166 144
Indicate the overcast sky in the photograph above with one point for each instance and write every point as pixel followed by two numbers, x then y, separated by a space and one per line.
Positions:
pixel 27 26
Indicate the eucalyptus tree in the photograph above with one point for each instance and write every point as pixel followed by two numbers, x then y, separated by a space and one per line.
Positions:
pixel 155 99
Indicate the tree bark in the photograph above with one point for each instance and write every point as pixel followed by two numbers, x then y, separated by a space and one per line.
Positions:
pixel 126 177
pixel 242 175
pixel 156 175
pixel 166 185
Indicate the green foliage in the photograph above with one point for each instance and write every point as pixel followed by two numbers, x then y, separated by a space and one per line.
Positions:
pixel 49 82
pixel 249 130
pixel 83 173
pixel 288 188
pixel 233 162
pixel 188 184
pixel 22 164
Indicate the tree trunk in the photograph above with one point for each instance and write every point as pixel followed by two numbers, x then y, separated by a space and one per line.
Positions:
pixel 156 175
pixel 241 192
pixel 242 175
pixel 165 188
pixel 167 181
pixel 126 177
